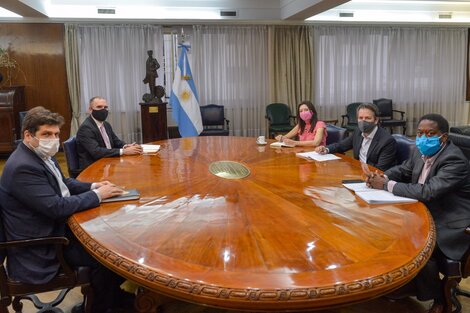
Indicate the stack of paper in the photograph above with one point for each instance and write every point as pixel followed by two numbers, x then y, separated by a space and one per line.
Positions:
pixel 376 196
pixel 150 148
pixel 278 144
pixel 317 156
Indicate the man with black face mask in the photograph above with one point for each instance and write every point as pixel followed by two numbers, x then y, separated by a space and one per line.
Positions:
pixel 437 174
pixel 96 139
pixel 371 144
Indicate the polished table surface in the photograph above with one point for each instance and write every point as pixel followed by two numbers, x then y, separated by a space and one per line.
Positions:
pixel 286 237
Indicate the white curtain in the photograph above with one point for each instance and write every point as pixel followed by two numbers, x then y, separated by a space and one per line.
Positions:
pixel 112 65
pixel 421 69
pixel 230 68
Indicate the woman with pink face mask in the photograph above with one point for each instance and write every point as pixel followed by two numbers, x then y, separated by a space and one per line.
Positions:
pixel 310 131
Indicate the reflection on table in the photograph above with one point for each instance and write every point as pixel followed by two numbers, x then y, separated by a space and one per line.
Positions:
pixel 288 236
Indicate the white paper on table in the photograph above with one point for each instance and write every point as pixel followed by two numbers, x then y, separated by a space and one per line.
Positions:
pixel 317 156
pixel 150 148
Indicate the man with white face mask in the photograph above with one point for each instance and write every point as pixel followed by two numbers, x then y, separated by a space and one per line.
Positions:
pixel 36 201
pixel 371 143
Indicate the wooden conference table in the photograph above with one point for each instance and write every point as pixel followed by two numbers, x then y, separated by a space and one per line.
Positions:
pixel 286 237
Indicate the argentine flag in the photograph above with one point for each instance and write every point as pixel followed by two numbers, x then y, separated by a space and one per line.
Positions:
pixel 184 100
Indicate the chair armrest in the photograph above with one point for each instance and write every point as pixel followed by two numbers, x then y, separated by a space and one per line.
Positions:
pixel 294 118
pixel 267 117
pixel 227 122
pixel 401 112
pixel 58 242
pixel 343 117
pixel 334 122
pixel 34 242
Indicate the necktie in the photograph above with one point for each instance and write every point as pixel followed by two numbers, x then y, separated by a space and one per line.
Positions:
pixel 105 136
pixel 63 187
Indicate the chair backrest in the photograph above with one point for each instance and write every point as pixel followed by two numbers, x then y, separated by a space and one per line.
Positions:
pixel 71 155
pixel 405 147
pixel 351 112
pixel 212 115
pixel 278 113
pixel 461 141
pixel 385 107
pixel 334 133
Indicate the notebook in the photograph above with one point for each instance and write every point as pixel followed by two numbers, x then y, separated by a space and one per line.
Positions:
pixel 376 196
pixel 278 144
pixel 312 155
pixel 130 194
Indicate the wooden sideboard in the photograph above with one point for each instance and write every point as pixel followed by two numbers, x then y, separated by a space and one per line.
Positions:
pixel 12 101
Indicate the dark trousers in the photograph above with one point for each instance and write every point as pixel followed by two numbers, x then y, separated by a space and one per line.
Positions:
pixel 105 283
pixel 428 284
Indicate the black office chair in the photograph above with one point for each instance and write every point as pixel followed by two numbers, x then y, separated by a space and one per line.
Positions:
pixel 71 156
pixel 462 141
pixel 213 121
pixel 349 120
pixel 279 118
pixel 386 111
pixel 334 133
pixel 13 292
pixel 404 148
pixel 462 130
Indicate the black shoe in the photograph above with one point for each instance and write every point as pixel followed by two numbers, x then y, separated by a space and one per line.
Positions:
pixel 77 308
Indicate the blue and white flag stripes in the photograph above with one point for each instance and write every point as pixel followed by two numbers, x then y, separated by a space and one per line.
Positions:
pixel 184 100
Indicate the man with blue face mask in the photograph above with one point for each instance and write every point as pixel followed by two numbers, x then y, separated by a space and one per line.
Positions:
pixel 437 174
pixel 36 200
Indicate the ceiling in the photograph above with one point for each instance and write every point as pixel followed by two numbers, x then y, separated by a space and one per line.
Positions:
pixel 252 11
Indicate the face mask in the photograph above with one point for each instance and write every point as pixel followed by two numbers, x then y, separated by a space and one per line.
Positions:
pixel 428 146
pixel 365 127
pixel 47 147
pixel 100 115
pixel 306 115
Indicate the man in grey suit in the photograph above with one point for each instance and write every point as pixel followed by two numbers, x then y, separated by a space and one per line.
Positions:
pixel 96 138
pixel 37 200
pixel 437 174
pixel 371 143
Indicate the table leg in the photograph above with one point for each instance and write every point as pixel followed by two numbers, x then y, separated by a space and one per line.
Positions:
pixel 147 301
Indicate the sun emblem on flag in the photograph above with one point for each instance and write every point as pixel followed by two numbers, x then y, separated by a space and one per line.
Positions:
pixel 185 95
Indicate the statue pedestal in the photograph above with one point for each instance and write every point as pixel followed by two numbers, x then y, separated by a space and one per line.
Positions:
pixel 154 125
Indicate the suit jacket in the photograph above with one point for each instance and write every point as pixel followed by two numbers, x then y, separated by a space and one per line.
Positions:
pixel 446 193
pixel 90 143
pixel 382 150
pixel 32 207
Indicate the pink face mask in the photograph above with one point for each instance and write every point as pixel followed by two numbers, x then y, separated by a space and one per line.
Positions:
pixel 306 115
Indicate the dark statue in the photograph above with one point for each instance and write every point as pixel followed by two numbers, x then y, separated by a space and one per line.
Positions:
pixel 151 67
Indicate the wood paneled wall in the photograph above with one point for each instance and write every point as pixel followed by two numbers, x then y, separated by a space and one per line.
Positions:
pixel 39 51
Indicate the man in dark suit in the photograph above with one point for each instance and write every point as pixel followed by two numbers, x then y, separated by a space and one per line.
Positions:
pixel 371 144
pixel 37 200
pixel 438 174
pixel 96 139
